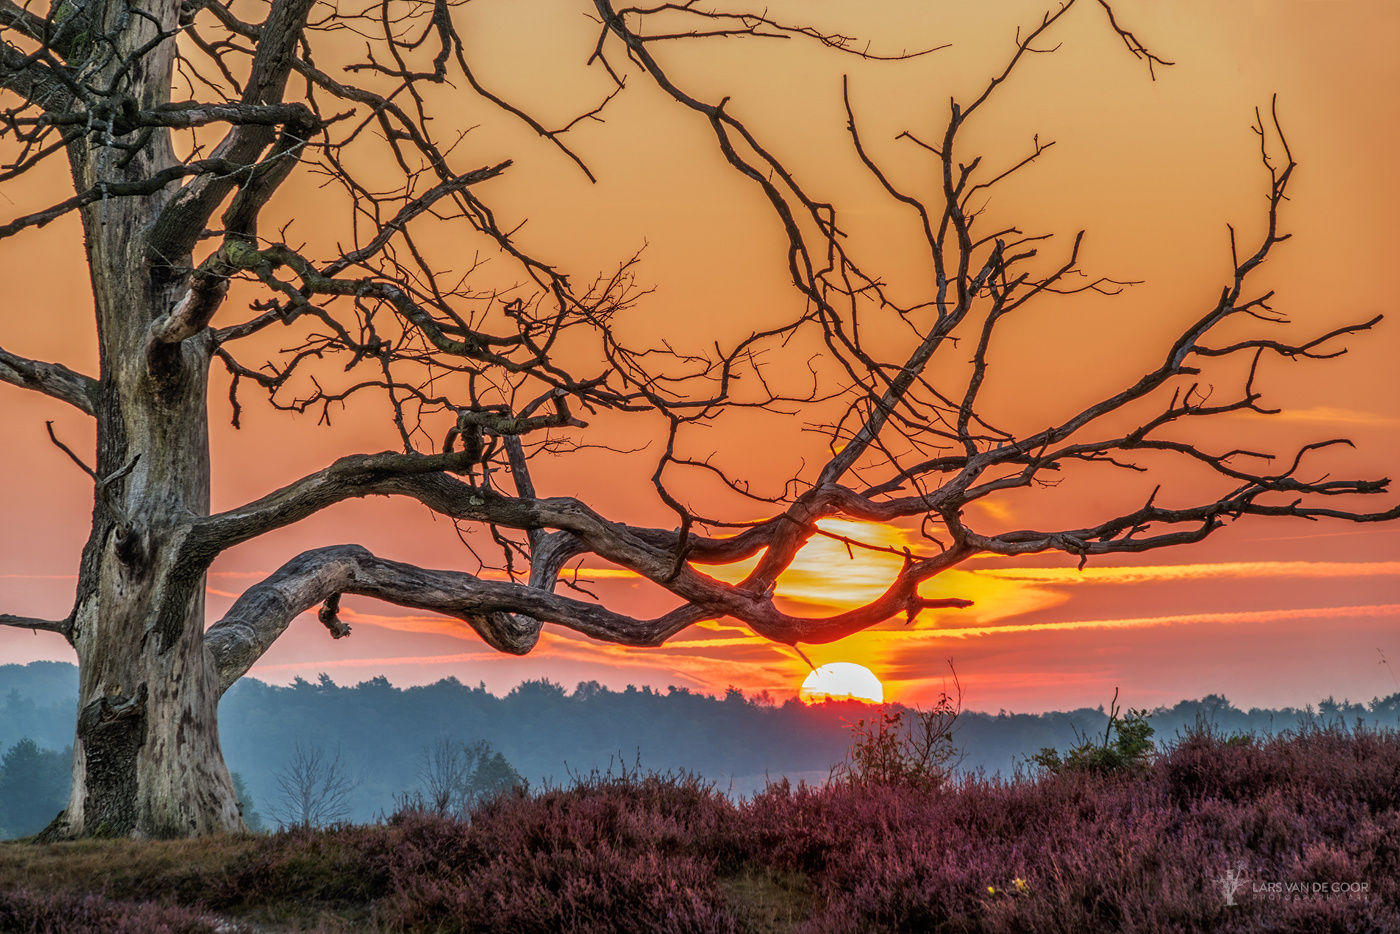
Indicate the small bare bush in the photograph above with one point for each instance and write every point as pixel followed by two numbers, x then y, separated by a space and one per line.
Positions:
pixel 910 746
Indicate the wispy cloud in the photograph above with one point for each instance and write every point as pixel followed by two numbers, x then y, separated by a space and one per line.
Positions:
pixel 1140 622
pixel 1225 570
pixel 767 668
pixel 1327 413
pixel 374 662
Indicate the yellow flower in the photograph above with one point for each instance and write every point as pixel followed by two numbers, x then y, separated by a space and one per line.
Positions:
pixel 1020 884
pixel 991 890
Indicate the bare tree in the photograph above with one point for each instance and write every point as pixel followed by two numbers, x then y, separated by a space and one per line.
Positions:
pixel 913 746
pixel 182 122
pixel 443 772
pixel 313 789
pixel 454 776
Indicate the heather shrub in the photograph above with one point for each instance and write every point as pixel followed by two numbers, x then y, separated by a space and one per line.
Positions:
pixel 629 853
pixel 1126 745
pixel 623 853
pixel 23 912
pixel 324 867
pixel 603 887
pixel 1104 849
pixel 1330 760
pixel 1149 849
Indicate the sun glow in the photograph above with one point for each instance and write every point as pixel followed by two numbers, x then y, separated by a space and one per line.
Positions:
pixel 842 681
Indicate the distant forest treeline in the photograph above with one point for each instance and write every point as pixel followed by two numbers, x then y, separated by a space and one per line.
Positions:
pixel 547 732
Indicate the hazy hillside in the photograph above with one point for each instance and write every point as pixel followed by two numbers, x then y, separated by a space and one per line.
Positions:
pixel 548 732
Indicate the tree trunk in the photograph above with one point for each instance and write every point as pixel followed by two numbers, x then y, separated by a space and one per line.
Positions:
pixel 146 756
pixel 147 760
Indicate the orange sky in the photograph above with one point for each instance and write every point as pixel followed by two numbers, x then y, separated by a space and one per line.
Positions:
pixel 1267 613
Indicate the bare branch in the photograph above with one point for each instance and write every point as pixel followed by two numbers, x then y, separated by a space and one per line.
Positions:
pixel 183 219
pixel 52 379
pixel 64 627
pixel 13 16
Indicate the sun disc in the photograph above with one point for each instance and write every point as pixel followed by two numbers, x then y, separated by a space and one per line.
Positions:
pixel 842 681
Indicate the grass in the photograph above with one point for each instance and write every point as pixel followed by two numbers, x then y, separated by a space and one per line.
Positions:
pixel 1144 849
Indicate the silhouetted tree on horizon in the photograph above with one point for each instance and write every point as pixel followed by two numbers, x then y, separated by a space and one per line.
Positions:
pixel 313 789
pixel 182 122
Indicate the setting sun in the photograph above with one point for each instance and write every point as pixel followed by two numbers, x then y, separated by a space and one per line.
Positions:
pixel 842 681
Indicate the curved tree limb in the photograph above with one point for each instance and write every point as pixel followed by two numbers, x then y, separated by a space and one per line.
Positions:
pixel 507 615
